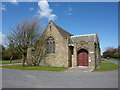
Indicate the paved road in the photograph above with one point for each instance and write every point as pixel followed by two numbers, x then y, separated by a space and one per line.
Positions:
pixel 11 61
pixel 10 64
pixel 46 79
pixel 113 61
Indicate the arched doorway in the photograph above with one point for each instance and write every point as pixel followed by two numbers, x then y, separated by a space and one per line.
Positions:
pixel 82 57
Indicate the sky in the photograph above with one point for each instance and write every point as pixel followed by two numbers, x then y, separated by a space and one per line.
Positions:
pixel 78 18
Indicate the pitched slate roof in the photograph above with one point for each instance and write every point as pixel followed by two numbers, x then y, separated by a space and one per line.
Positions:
pixel 87 38
pixel 63 32
pixel 78 38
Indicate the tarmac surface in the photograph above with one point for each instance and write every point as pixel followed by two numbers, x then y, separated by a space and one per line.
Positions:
pixel 47 79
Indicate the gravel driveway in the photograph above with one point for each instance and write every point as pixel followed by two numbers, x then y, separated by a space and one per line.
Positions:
pixel 47 79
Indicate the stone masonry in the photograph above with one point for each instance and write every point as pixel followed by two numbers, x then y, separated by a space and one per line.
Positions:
pixel 69 49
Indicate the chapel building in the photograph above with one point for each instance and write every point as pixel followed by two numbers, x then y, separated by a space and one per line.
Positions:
pixel 67 50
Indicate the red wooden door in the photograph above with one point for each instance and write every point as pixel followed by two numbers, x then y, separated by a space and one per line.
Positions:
pixel 83 59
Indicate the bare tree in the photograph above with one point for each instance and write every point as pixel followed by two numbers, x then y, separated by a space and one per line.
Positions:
pixel 24 35
pixel 110 52
pixel 109 49
pixel 40 50
pixel 12 49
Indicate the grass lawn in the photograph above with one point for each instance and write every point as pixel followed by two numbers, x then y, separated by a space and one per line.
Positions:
pixel 107 66
pixel 40 68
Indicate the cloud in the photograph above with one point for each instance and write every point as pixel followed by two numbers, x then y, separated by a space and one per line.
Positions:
pixel 13 1
pixel 31 9
pixel 45 11
pixel 2 8
pixel 52 17
pixel 2 38
pixel 68 11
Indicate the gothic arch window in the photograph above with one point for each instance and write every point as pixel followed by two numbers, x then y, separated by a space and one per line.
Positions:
pixel 50 45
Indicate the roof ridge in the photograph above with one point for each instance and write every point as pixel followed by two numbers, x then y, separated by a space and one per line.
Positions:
pixel 61 29
pixel 83 35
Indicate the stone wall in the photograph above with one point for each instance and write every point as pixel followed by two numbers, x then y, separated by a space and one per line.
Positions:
pixel 60 57
pixel 89 43
pixel 63 56
pixel 30 57
pixel 89 46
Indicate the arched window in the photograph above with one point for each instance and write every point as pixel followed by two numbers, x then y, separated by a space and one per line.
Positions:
pixel 50 45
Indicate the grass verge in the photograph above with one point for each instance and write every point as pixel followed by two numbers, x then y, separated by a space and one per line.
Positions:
pixel 39 68
pixel 107 66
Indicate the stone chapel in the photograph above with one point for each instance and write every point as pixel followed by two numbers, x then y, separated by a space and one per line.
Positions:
pixel 67 50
